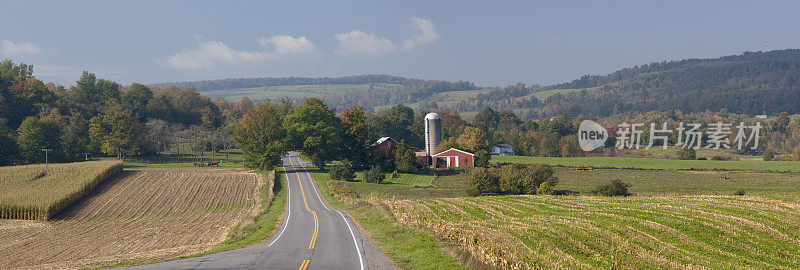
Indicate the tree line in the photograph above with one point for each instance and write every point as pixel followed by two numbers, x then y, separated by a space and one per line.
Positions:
pixel 100 116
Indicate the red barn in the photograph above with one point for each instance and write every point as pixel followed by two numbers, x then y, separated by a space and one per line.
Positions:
pixel 453 158
pixel 385 144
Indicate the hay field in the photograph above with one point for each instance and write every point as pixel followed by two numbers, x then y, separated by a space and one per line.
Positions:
pixel 148 214
pixel 575 232
pixel 27 193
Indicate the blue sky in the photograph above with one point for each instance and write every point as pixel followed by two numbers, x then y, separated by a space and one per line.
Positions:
pixel 488 42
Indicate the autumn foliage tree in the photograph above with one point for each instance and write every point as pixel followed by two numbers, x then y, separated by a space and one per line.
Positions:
pixel 261 136
pixel 116 131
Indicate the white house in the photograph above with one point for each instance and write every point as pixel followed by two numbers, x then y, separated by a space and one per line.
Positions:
pixel 502 149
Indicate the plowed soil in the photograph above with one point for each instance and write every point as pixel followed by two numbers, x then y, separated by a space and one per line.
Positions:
pixel 143 215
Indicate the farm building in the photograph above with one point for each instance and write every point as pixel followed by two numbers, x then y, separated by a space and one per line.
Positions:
pixel 453 158
pixel 502 149
pixel 384 144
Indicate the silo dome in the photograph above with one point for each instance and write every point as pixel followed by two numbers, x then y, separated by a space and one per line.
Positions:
pixel 433 133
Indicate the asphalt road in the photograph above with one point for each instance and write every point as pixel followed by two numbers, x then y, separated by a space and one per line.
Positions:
pixel 312 236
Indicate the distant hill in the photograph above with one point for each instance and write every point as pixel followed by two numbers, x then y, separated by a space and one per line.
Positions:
pixel 370 91
pixel 232 83
pixel 750 83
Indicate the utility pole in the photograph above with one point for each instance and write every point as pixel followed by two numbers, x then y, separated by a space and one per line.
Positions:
pixel 46 152
pixel 86 156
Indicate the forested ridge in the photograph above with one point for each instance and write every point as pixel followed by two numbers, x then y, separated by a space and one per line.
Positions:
pixel 750 83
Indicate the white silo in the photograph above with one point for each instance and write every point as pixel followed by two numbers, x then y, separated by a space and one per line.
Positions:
pixel 433 133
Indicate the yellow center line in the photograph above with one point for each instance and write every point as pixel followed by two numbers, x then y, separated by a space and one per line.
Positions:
pixel 304 265
pixel 316 221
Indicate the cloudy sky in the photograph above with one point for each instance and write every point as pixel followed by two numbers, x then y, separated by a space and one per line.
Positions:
pixel 488 42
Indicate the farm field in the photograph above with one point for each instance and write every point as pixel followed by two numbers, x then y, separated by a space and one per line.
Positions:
pixel 580 232
pixel 27 193
pixel 674 182
pixel 140 216
pixel 654 164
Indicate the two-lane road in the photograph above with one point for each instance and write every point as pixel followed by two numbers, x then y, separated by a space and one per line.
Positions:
pixel 312 236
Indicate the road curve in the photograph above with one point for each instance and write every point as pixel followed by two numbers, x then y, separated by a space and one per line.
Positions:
pixel 312 236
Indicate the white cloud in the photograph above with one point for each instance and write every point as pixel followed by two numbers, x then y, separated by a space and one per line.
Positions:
pixel 358 42
pixel 285 44
pixel 8 47
pixel 425 33
pixel 214 53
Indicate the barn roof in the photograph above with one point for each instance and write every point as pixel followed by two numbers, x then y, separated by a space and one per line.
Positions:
pixel 462 151
pixel 382 140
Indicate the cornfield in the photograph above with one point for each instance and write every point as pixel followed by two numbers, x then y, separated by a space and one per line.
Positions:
pixel 27 193
pixel 573 232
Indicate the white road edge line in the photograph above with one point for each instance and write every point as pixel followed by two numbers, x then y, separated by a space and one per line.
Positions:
pixel 358 250
pixel 288 210
pixel 355 241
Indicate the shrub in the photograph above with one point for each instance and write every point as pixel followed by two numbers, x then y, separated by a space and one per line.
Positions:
pixel 482 181
pixel 768 155
pixel 374 175
pixel 512 179
pixel 686 153
pixel 722 158
pixel 342 172
pixel 544 189
pixel 739 192
pixel 612 189
pixel 796 153
pixel 481 158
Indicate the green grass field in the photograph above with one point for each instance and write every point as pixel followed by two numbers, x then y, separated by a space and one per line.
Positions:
pixel 579 232
pixel 674 182
pixel 412 186
pixel 292 91
pixel 654 164
pixel 27 193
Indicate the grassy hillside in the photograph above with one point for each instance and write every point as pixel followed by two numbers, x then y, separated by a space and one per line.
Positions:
pixel 293 91
pixel 573 232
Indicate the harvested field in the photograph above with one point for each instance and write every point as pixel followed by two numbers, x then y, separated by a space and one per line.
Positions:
pixel 144 215
pixel 575 232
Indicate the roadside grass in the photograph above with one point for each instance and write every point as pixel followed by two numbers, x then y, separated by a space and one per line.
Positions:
pixel 410 247
pixel 273 204
pixel 654 164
